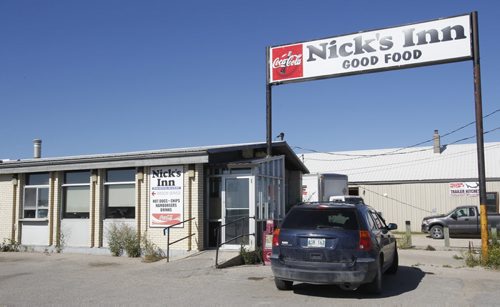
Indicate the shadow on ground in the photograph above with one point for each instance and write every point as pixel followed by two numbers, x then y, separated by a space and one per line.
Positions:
pixel 406 280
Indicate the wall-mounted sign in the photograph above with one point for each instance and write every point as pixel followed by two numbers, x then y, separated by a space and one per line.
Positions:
pixel 166 195
pixel 432 42
pixel 464 188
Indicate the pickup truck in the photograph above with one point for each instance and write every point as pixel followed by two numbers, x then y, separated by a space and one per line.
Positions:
pixel 462 221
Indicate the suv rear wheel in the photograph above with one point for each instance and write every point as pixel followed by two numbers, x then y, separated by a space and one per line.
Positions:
pixel 375 287
pixel 283 284
pixel 394 265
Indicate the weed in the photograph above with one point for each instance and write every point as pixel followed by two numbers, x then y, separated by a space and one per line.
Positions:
pixel 473 259
pixel 151 252
pixel 250 257
pixel 61 243
pixel 457 257
pixel 405 241
pixel 446 266
pixel 430 248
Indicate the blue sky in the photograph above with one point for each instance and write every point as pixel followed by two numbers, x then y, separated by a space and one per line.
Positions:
pixel 115 76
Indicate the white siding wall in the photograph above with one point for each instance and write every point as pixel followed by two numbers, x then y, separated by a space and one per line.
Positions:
pixel 413 201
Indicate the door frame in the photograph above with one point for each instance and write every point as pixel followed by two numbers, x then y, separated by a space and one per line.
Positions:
pixel 251 211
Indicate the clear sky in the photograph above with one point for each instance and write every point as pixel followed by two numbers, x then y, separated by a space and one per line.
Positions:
pixel 92 77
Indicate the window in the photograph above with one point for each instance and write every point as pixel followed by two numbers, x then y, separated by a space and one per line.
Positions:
pixel 120 193
pixel 321 218
pixel 379 223
pixel 76 194
pixel 36 196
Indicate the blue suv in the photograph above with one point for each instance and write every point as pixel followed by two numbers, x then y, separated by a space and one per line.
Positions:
pixel 342 244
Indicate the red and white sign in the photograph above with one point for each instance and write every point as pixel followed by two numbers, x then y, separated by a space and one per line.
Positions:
pixel 166 196
pixel 287 62
pixel 432 42
pixel 464 188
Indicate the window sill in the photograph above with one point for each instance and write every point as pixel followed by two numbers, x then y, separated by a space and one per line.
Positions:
pixel 34 220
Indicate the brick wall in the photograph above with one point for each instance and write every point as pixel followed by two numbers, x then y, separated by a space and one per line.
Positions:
pixel 6 199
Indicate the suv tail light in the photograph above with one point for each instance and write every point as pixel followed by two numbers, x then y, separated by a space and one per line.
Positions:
pixel 276 234
pixel 365 243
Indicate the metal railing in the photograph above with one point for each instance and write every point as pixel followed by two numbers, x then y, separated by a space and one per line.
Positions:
pixel 166 231
pixel 219 228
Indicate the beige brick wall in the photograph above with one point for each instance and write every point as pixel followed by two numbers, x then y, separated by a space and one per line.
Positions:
pixel 193 207
pixel 6 214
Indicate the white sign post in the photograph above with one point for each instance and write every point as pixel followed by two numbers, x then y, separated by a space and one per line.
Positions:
pixel 166 196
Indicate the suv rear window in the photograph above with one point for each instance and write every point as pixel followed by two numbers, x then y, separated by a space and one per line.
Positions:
pixel 321 218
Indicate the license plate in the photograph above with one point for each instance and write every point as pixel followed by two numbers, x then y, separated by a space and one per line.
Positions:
pixel 315 242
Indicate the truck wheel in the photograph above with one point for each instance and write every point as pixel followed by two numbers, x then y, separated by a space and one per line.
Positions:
pixel 437 232
pixel 283 284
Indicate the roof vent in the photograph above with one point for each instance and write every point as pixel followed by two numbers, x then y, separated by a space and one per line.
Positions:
pixel 37 148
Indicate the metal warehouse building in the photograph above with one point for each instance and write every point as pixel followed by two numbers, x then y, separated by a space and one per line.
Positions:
pixel 409 184
pixel 76 199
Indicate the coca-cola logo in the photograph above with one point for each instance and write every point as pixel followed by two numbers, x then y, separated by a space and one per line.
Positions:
pixel 287 62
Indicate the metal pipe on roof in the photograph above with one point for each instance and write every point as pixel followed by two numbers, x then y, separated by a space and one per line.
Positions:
pixel 37 148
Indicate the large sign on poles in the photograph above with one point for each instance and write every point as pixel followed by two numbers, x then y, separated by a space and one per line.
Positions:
pixel 166 195
pixel 426 43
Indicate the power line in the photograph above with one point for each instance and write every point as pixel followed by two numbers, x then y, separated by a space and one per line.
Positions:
pixel 407 147
pixel 397 200
pixel 390 153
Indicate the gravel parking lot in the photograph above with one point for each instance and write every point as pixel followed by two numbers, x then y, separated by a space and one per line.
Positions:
pixel 425 278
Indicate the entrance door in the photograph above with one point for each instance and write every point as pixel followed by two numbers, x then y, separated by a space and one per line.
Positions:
pixel 238 201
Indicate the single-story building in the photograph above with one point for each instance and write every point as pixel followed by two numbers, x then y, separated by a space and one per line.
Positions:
pixel 409 184
pixel 76 198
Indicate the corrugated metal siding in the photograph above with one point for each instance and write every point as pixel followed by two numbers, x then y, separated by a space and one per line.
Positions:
pixel 456 161
pixel 413 201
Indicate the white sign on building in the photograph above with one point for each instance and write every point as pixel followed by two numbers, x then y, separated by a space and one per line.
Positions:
pixel 166 196
pixel 464 188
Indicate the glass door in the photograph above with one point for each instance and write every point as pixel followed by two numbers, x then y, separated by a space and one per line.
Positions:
pixel 238 206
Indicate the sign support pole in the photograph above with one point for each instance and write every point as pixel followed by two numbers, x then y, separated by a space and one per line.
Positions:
pixel 480 139
pixel 269 118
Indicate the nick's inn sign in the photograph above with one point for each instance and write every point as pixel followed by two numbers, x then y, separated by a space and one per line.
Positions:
pixel 432 42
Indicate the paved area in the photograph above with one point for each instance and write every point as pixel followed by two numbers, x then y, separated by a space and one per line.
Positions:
pixel 424 278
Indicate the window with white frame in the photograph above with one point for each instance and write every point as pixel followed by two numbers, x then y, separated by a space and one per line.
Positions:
pixel 120 193
pixel 36 196
pixel 76 194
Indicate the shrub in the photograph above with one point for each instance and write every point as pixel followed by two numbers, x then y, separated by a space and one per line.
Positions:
pixel 9 245
pixel 115 240
pixel 131 241
pixel 122 237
